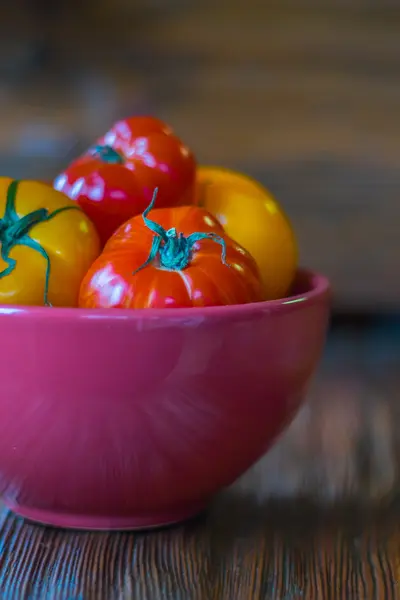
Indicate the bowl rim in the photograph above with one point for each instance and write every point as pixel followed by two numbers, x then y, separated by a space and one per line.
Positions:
pixel 319 287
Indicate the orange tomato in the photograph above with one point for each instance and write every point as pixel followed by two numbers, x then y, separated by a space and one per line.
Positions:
pixel 180 258
pixel 252 217
pixel 47 245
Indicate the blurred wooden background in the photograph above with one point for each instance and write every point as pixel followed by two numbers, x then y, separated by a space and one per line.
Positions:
pixel 303 94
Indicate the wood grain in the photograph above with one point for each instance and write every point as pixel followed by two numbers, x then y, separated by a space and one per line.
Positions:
pixel 239 550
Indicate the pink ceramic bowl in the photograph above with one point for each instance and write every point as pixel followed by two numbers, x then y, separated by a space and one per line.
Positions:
pixel 129 419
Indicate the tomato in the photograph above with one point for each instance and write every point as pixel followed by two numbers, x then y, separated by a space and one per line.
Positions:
pixel 47 245
pixel 180 258
pixel 115 180
pixel 251 216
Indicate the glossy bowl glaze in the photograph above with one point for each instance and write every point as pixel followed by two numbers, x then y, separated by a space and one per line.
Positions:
pixel 113 419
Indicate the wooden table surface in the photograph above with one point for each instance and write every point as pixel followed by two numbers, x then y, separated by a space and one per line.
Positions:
pixel 239 550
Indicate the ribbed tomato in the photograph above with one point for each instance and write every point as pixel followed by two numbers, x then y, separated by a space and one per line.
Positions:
pixel 179 258
pixel 115 180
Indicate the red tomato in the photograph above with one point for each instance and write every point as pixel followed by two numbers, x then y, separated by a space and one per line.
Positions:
pixel 115 180
pixel 180 258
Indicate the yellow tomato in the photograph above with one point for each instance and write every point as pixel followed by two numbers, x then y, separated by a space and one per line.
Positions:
pixel 252 217
pixel 47 245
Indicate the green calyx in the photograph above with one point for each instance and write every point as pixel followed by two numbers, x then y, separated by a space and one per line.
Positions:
pixel 108 155
pixel 14 231
pixel 173 250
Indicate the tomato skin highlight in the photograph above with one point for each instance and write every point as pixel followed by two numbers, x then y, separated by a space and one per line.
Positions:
pixel 68 238
pixel 116 281
pixel 116 178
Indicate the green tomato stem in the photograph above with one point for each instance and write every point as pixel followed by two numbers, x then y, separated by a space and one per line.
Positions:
pixel 14 231
pixel 173 250
pixel 108 155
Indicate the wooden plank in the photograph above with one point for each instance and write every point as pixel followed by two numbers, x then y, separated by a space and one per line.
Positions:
pixel 239 550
